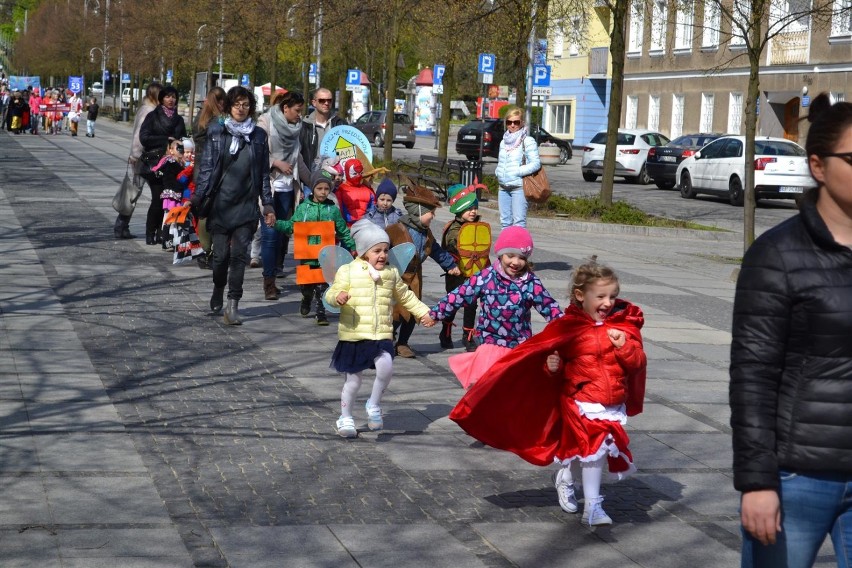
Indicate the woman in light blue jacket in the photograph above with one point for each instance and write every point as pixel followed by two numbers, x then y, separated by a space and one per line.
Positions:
pixel 518 158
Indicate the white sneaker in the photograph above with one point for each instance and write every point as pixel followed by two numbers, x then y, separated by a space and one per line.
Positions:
pixel 346 427
pixel 374 417
pixel 595 516
pixel 565 491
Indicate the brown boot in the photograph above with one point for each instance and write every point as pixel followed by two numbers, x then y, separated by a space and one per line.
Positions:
pixel 270 292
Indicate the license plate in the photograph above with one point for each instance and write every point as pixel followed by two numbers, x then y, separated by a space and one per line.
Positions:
pixel 403 137
pixel 470 137
pixel 791 189
pixel 668 158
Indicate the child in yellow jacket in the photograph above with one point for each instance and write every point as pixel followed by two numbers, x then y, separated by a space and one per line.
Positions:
pixel 366 289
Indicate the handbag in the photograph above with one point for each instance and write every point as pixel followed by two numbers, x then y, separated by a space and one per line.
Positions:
pixel 536 185
pixel 148 160
pixel 127 195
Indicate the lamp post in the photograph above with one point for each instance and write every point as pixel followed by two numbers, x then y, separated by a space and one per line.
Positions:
pixel 103 64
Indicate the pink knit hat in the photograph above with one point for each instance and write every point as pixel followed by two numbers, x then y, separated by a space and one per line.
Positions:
pixel 514 240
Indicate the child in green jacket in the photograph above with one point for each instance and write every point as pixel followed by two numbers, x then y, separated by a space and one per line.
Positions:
pixel 317 208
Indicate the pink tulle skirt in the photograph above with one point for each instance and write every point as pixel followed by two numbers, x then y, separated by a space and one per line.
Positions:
pixel 470 367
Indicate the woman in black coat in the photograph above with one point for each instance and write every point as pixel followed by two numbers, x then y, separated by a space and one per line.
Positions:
pixel 161 126
pixel 234 168
pixel 791 365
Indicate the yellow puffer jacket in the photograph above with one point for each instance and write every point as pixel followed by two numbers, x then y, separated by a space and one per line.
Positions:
pixel 369 312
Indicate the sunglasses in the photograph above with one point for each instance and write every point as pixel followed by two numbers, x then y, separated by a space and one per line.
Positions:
pixel 513 123
pixel 845 156
pixel 324 101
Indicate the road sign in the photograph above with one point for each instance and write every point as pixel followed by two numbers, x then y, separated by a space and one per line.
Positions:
pixel 438 89
pixel 487 62
pixel 125 77
pixel 541 91
pixel 245 80
pixel 541 76
pixel 169 76
pixel 353 79
pixel 312 73
pixel 106 75
pixel 806 100
pixel 438 75
pixel 75 84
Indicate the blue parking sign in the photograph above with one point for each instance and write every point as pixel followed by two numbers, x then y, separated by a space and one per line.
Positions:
pixel 487 63
pixel 438 75
pixel 541 75
pixel 353 78
pixel 245 80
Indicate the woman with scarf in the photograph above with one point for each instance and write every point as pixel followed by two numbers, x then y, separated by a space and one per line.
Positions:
pixel 235 171
pixel 283 124
pixel 518 158
pixel 158 130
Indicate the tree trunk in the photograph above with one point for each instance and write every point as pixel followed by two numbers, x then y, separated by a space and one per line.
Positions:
pixel 393 55
pixel 749 201
pixel 616 48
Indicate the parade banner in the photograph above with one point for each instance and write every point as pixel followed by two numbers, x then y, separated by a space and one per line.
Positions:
pixel 21 82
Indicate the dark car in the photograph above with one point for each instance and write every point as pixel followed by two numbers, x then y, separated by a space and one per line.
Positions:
pixel 372 124
pixel 467 141
pixel 662 161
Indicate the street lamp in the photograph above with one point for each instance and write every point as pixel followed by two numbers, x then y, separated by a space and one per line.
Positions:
pixel 103 64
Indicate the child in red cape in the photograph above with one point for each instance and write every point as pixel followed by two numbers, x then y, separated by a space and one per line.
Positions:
pixel 566 393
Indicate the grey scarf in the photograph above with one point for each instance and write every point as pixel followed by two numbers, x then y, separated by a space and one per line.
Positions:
pixel 284 138
pixel 239 130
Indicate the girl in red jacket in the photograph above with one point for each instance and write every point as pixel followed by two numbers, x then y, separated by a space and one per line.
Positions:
pixel 592 377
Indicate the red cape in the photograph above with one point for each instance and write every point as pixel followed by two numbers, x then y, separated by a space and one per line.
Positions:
pixel 517 406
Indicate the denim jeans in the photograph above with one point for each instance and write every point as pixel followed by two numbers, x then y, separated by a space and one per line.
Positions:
pixel 90 127
pixel 271 241
pixel 812 506
pixel 513 207
pixel 230 257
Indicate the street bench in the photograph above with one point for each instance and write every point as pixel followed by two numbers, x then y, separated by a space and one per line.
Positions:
pixel 433 172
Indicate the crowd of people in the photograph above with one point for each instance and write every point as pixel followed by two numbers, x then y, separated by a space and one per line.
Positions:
pixel 49 111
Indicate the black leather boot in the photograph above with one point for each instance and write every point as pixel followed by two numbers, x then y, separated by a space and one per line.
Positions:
pixel 217 299
pixel 232 315
pixel 468 340
pixel 446 335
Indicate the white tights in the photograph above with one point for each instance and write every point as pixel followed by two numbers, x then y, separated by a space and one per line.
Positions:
pixel 592 474
pixel 384 374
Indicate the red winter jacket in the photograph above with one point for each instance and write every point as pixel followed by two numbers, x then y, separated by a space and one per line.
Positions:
pixel 594 370
pixel 354 200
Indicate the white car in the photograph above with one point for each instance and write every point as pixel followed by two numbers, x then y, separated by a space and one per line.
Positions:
pixel 780 169
pixel 96 89
pixel 633 146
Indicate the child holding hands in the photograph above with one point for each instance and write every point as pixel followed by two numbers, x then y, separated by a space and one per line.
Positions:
pixel 590 369
pixel 366 289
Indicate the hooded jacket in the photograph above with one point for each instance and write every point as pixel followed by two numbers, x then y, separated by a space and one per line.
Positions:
pixel 791 354
pixel 516 163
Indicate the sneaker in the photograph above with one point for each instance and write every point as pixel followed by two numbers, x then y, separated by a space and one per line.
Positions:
pixel 255 263
pixel 595 516
pixel 346 427
pixel 321 319
pixel 374 417
pixel 565 491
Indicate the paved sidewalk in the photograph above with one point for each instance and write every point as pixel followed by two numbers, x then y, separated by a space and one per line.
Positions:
pixel 137 431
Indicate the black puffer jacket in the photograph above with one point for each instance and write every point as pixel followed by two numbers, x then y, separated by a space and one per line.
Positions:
pixel 243 208
pixel 157 128
pixel 791 355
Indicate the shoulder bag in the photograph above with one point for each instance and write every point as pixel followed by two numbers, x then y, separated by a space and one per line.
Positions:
pixel 536 185
pixel 128 194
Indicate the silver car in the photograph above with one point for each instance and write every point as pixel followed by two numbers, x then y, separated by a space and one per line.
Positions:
pixel 372 124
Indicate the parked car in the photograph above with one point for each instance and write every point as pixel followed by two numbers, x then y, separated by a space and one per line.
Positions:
pixel 632 151
pixel 97 89
pixel 467 141
pixel 780 169
pixel 372 124
pixel 662 161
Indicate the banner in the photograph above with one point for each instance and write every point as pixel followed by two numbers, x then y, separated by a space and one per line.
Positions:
pixel 21 82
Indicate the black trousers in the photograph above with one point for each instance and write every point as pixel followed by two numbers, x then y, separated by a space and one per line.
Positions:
pixel 154 221
pixel 230 257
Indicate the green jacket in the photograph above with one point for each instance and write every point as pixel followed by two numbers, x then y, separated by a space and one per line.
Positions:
pixel 310 210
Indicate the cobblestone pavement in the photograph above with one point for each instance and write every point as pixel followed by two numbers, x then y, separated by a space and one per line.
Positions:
pixel 233 426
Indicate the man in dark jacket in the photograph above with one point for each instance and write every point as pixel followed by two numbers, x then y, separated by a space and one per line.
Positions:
pixel 314 128
pixel 235 169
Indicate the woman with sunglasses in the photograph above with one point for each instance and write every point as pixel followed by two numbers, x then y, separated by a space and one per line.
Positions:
pixel 518 158
pixel 791 365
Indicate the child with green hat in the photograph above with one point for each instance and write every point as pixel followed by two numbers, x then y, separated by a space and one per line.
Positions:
pixel 468 240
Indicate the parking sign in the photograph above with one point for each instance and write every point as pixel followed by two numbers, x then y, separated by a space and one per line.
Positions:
pixel 353 79
pixel 487 62
pixel 438 75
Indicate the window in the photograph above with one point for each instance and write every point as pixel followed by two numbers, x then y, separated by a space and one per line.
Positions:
pixel 637 26
pixel 791 15
pixel 713 149
pixel 706 123
pixel 837 97
pixel 659 23
pixel 742 15
pixel 632 111
pixel 654 112
pixel 841 18
pixel 683 26
pixel 557 39
pixel 735 113
pixel 733 149
pixel 560 118
pixel 677 116
pixel 576 34
pixel 712 21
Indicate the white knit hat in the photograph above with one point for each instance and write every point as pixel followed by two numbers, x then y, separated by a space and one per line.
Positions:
pixel 367 235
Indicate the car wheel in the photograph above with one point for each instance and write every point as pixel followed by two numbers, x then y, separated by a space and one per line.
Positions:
pixel 665 184
pixel 564 155
pixel 589 176
pixel 642 178
pixel 409 145
pixel 686 189
pixel 735 191
pixel 377 140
